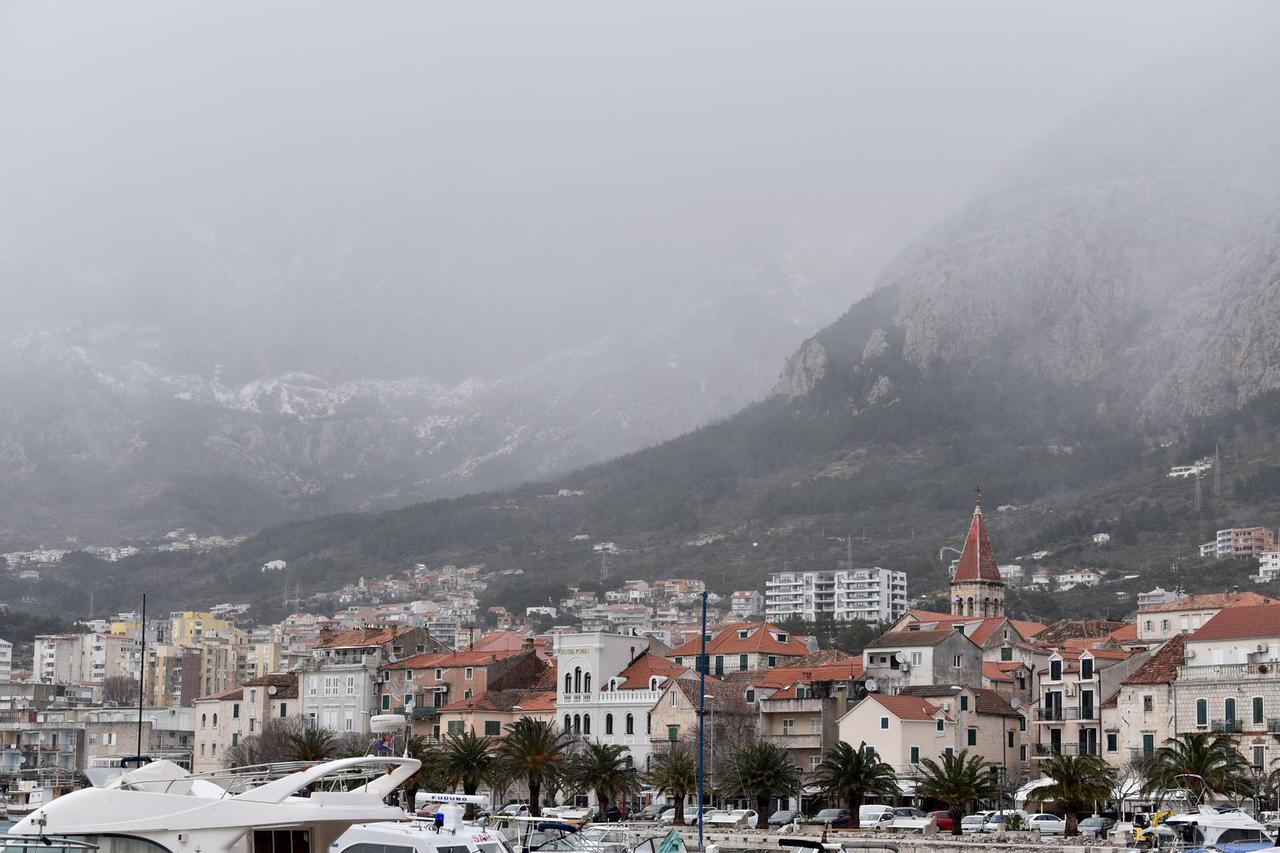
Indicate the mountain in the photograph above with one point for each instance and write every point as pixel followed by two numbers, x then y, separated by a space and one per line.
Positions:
pixel 113 430
pixel 1107 308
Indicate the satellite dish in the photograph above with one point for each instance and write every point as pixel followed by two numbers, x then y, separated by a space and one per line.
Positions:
pixel 871 685
pixel 391 658
pixel 272 690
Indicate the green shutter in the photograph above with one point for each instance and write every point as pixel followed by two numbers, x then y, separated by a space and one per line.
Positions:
pixel 1202 712
pixel 1257 710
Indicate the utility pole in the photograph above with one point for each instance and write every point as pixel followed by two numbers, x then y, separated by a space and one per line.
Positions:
pixel 702 709
pixel 1217 470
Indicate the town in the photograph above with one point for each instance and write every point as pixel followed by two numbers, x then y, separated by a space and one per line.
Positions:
pixel 632 670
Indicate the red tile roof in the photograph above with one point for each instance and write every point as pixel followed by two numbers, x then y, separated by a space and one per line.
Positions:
pixel 1125 634
pixel 360 637
pixel 906 707
pixel 995 673
pixel 914 638
pixel 760 639
pixel 977 559
pixel 1161 667
pixel 985 700
pixel 1210 601
pixel 503 701
pixel 638 673
pixel 443 660
pixel 1029 630
pixel 1240 623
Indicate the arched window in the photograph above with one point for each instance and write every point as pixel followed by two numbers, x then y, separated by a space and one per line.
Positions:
pixel 568 723
pixel 577 679
pixel 631 725
pixel 608 724
pixel 586 724
pixel 215 721
pixel 203 720
pixel 568 682
pixel 1229 709
pixel 577 724
pixel 586 683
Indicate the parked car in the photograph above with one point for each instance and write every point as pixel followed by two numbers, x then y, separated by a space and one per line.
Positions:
pixel 996 820
pixel 735 818
pixel 972 824
pixel 908 811
pixel 1047 824
pixel 875 815
pixel 653 811
pixel 835 818
pixel 514 810
pixel 1096 826
pixel 943 820
pixel 690 815
pixel 782 817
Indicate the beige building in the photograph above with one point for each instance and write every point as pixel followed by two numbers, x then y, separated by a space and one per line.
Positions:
pixel 1188 614
pixel 489 713
pixel 111 734
pixel 172 675
pixel 84 658
pixel 192 627
pixel 437 679
pixel 985 723
pixel 675 715
pixel 901 729
pixel 1072 688
pixel 221 722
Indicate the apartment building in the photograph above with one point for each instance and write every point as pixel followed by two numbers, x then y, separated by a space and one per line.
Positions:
pixel 111 734
pixel 868 595
pixel 902 659
pixel 1072 688
pixel 192 627
pixel 490 713
pixel 6 660
pixel 1268 565
pixel 84 658
pixel 901 729
pixel 1137 720
pixel 1241 542
pixel 985 723
pixel 745 603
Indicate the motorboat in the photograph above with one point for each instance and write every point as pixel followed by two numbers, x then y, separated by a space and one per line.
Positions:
pixel 161 808
pixel 443 832
pixel 732 819
pixel 1208 828
pixel 28 796
pixel 550 835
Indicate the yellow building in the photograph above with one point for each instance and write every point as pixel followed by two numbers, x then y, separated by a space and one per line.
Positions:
pixel 193 627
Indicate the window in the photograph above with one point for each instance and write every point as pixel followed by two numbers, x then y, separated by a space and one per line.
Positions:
pixel 948 751
pixel 1022 753
pixel 1257 710
pixel 608 724
pixel 814 762
pixel 1055 670
pixel 1006 653
pixel 408 675
pixel 742 635
pixel 799 691
pixel 972 739
pixel 673 733
pixel 203 720
pixel 215 721
pixel 773 660
pixel 1148 702
pixel 235 711
pixel 673 698
pixel 742 663
pixel 917 658
pixel 235 738
pixel 782 638
pixel 1022 724
pixel 468 672
pixel 568 682
pixel 788 727
pixel 466 694
pixel 964 702
pixel 492 728
pixel 568 723
pixel 1112 738
pixel 915 755
pixel 456 727
pixel 957 661
pixel 1086 669
pixel 586 724
pixel 386 675
pixel 439 674
pixel 1146 626
pixel 1164 624
pixel 1202 712
pixel 884 722
pixel 408 699
pixel 251 722
pixel 349 724
pixel 284 710
pixel 1259 756
pixel 1009 738
pixel 751 695
pixel 386 702
pixel 630 725
pixel 940 724
pixel 351 685
pixel 1229 709
pixel 586 683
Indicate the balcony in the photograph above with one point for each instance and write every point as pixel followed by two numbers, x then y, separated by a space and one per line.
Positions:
pixel 1228 726
pixel 1228 671
pixel 796 741
pixel 1047 750
pixel 1059 715
pixel 1137 753
pixel 791 706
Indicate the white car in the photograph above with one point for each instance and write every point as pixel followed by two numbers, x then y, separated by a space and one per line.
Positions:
pixel 736 818
pixel 972 824
pixel 1047 824
pixel 996 820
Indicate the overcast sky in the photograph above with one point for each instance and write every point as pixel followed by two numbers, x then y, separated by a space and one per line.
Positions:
pixel 528 154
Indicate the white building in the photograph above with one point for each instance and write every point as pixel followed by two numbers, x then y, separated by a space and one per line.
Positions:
pixel 869 595
pixel 84 658
pixel 1079 577
pixel 1102 539
pixel 606 686
pixel 1269 565
pixel 6 661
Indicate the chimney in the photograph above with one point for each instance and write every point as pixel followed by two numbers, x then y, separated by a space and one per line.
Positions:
pixel 326 634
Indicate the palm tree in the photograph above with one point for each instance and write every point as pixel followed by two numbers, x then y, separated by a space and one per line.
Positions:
pixel 1078 781
pixel 850 775
pixel 605 769
pixel 468 760
pixel 311 744
pixel 1211 756
pixel 534 749
pixel 959 779
pixel 762 769
pixel 674 772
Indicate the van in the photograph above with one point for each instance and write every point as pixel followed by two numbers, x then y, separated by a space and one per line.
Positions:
pixel 875 815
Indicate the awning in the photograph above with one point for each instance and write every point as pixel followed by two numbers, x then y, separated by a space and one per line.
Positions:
pixel 1024 793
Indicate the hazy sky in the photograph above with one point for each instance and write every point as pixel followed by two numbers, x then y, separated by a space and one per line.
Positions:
pixel 524 163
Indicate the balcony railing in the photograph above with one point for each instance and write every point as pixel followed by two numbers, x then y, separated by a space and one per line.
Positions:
pixel 1137 753
pixel 1058 715
pixel 1229 726
pixel 796 740
pixel 1221 671
pixel 1044 750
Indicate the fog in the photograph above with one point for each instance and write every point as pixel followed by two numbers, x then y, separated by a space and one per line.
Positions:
pixel 409 189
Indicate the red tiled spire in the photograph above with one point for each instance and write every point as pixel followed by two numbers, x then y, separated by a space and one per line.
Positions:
pixel 977 560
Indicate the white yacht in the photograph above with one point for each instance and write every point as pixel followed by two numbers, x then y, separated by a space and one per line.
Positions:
pixel 160 808
pixel 28 796
pixel 1207 828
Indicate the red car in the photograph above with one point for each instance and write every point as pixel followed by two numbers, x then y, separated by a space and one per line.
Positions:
pixel 943 819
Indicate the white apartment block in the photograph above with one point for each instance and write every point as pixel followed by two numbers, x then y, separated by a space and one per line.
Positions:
pixel 6 661
pixel 868 595
pixel 84 658
pixel 1268 569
